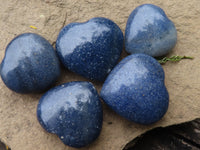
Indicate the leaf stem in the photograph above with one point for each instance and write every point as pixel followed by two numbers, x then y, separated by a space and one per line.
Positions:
pixel 173 59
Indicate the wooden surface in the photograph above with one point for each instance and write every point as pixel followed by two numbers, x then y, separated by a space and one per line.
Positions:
pixel 19 127
pixel 184 136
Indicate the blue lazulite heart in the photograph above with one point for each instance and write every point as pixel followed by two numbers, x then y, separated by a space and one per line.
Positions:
pixel 73 111
pixel 90 49
pixel 30 64
pixel 135 89
pixel 149 31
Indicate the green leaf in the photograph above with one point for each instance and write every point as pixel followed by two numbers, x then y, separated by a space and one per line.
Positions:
pixel 173 59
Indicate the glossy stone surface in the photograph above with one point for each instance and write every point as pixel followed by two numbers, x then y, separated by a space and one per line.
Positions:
pixel 149 31
pixel 90 49
pixel 73 111
pixel 30 64
pixel 135 89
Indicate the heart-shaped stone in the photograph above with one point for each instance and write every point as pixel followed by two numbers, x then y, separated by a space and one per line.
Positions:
pixel 73 111
pixel 30 64
pixel 149 31
pixel 90 49
pixel 135 89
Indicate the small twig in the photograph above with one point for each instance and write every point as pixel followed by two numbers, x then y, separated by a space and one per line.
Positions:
pixel 173 59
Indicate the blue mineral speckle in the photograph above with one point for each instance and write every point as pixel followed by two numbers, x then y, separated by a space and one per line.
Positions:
pixel 73 111
pixel 90 49
pixel 30 64
pixel 149 31
pixel 135 89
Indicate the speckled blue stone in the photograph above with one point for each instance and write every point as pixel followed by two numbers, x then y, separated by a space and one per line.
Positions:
pixel 90 49
pixel 73 111
pixel 30 64
pixel 135 89
pixel 149 31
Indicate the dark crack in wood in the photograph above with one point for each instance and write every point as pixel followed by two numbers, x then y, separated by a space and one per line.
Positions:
pixel 63 24
pixel 65 19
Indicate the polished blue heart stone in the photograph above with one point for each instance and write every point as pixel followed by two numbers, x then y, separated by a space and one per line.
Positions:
pixel 90 49
pixel 149 31
pixel 135 89
pixel 73 111
pixel 30 64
